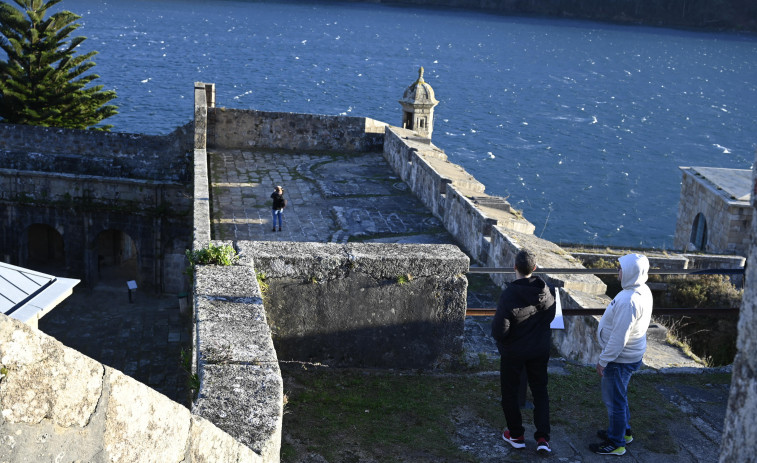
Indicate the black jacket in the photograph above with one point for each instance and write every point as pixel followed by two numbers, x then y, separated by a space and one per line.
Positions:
pixel 278 201
pixel 524 311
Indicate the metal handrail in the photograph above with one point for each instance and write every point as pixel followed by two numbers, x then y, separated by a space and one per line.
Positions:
pixel 488 312
pixel 611 271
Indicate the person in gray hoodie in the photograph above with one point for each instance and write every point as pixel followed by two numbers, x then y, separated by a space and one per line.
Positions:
pixel 622 334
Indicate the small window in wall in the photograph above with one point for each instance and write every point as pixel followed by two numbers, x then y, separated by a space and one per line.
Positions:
pixel 421 123
pixel 699 232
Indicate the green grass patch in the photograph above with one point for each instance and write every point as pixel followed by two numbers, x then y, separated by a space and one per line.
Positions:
pixel 356 415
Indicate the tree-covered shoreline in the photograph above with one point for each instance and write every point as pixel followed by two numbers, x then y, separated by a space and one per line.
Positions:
pixel 711 15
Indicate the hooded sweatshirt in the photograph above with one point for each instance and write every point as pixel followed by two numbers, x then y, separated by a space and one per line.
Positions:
pixel 521 325
pixel 622 330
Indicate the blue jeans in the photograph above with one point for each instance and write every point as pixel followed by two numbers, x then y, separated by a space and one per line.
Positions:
pixel 277 213
pixel 615 396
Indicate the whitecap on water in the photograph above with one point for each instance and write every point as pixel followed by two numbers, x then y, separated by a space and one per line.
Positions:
pixel 491 155
pixel 721 147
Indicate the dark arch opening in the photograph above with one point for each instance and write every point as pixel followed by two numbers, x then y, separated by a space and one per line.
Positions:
pixel 699 232
pixel 45 249
pixel 117 258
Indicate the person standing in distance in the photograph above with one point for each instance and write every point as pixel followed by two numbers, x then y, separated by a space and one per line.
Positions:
pixel 524 339
pixel 622 334
pixel 279 203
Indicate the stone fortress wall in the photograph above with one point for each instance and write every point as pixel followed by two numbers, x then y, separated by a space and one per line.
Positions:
pixel 81 183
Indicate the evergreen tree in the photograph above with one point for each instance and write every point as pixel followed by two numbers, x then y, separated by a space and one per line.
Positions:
pixel 43 82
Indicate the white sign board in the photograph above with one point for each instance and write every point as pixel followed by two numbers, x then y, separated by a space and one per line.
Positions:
pixel 131 284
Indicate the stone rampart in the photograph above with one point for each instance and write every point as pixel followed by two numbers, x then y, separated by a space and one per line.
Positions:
pixel 56 404
pixel 488 229
pixel 80 207
pixel 91 152
pixel 364 304
pixel 238 128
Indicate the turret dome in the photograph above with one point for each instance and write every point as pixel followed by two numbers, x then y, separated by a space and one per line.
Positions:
pixel 419 92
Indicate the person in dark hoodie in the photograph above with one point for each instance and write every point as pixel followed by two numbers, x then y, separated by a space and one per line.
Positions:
pixel 521 327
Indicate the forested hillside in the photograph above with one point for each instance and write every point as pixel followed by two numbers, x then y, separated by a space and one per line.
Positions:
pixel 736 15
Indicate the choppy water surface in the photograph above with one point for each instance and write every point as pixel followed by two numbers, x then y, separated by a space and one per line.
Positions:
pixel 581 125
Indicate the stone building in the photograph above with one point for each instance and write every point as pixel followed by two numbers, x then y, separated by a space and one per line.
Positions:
pixel 714 214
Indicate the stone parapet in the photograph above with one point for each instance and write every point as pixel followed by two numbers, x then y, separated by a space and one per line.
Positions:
pixel 364 304
pixel 96 415
pixel 90 152
pixel 578 341
pixel 452 194
pixel 239 128
pixel 241 389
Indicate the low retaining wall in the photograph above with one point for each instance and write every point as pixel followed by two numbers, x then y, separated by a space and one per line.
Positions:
pixel 97 414
pixel 364 304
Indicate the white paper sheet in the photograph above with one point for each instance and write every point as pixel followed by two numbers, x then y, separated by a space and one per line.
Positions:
pixel 557 323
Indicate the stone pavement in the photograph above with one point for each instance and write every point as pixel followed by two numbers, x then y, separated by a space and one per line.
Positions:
pixel 332 197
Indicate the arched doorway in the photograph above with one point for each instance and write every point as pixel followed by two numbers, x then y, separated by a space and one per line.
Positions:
pixel 45 249
pixel 699 233
pixel 117 258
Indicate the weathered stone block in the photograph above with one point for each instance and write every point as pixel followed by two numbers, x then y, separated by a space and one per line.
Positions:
pixel 142 425
pixel 232 332
pixel 45 380
pixel 210 445
pixel 230 282
pixel 246 401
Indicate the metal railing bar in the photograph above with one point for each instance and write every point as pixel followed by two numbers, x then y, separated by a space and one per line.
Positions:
pixel 610 271
pixel 488 312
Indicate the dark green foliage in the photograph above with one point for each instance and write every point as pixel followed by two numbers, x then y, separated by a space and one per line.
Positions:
pixel 704 291
pixel 43 81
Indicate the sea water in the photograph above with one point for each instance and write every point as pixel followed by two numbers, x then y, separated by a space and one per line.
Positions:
pixel 581 125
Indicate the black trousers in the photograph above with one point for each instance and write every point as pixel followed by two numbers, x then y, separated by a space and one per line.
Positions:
pixel 510 371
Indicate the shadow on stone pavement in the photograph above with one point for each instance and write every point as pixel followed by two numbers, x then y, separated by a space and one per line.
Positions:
pixel 143 339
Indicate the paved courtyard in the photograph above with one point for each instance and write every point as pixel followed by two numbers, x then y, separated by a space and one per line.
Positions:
pixel 332 197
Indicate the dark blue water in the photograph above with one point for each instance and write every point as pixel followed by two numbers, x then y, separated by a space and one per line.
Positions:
pixel 582 125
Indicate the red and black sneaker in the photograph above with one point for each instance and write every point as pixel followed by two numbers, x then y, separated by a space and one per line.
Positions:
pixel 542 446
pixel 516 442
